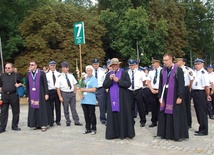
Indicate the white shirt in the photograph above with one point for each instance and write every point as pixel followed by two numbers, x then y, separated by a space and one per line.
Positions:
pixel 139 77
pixel 49 76
pixel 62 84
pixel 211 78
pixel 100 76
pixel 201 80
pixel 189 75
pixel 152 76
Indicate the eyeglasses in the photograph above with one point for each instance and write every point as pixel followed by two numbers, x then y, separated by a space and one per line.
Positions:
pixel 31 64
pixel 7 68
pixel 166 60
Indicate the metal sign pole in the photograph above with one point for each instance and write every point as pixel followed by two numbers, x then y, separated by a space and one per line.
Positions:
pixel 80 60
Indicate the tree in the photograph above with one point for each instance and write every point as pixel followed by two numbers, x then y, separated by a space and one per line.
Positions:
pixel 48 34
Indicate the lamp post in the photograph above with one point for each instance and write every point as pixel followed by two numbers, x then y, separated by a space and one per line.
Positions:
pixel 2 63
pixel 138 59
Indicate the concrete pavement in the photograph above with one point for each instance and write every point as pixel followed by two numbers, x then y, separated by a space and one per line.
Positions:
pixel 70 140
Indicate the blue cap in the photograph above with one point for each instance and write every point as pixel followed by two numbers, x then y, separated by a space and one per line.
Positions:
pixel 210 66
pixel 64 64
pixel 52 62
pixel 132 61
pixel 145 68
pixel 104 66
pixel 198 61
pixel 108 61
pixel 155 60
pixel 95 61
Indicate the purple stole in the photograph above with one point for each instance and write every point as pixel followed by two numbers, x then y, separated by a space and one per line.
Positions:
pixel 34 88
pixel 114 92
pixel 168 106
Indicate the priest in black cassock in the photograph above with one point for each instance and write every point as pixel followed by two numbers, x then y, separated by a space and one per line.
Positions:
pixel 37 96
pixel 172 120
pixel 120 123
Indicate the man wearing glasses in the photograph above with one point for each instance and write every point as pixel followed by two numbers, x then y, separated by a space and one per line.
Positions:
pixel 9 81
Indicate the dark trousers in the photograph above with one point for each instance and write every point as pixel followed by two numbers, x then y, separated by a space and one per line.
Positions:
pixel 54 103
pixel 199 99
pixel 187 100
pixel 13 100
pixel 101 96
pixel 90 117
pixel 136 96
pixel 154 104
pixel 146 99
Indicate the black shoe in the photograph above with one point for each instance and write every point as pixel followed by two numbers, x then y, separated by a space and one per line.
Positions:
pixel 87 131
pixel 153 125
pixel 200 134
pixel 78 124
pixel 211 116
pixel 16 129
pixel 178 140
pixel 189 127
pixel 51 124
pixel 103 122
pixel 1 131
pixel 68 124
pixel 142 125
pixel 197 131
pixel 58 123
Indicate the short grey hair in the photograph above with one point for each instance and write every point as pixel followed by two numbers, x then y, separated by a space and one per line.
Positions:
pixel 89 66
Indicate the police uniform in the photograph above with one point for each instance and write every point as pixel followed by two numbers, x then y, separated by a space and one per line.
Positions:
pixel 200 99
pixel 146 92
pixel 135 91
pixel 210 104
pixel 68 94
pixel 154 76
pixel 100 92
pixel 53 97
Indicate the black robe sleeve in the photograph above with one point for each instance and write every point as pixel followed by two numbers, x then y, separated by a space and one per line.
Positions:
pixel 125 81
pixel 160 89
pixel 44 82
pixel 107 82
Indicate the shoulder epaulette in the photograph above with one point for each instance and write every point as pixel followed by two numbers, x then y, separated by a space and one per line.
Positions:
pixel 202 72
pixel 59 75
pixel 187 68
pixel 190 73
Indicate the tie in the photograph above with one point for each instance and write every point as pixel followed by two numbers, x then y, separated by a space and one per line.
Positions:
pixel 54 78
pixel 95 73
pixel 68 82
pixel 132 79
pixel 155 77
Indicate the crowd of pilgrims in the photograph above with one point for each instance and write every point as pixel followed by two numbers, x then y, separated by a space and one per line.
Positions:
pixel 167 90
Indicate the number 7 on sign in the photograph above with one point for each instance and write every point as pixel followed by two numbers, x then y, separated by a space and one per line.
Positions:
pixel 79 34
pixel 79 29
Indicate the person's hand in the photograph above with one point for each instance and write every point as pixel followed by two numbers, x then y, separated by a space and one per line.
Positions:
pixel 46 97
pixel 61 99
pixel 17 85
pixel 112 76
pixel 116 79
pixel 27 98
pixel 209 98
pixel 179 100
pixel 161 103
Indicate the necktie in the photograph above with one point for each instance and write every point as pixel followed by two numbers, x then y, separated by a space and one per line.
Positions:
pixel 132 79
pixel 95 73
pixel 54 78
pixel 68 82
pixel 155 77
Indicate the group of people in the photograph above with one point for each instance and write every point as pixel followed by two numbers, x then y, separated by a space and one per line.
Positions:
pixel 165 91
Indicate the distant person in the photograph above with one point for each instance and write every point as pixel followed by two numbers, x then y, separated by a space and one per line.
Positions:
pixel 88 101
pixel 9 81
pixel 120 122
pixel 37 97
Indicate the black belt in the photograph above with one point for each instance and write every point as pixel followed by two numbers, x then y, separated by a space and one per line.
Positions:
pixel 67 92
pixel 135 90
pixel 99 87
pixel 8 93
pixel 52 90
pixel 195 90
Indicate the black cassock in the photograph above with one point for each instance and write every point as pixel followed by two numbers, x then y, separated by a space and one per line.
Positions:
pixel 173 126
pixel 39 117
pixel 119 124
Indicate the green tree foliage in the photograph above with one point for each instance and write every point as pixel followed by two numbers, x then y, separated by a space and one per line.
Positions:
pixel 12 13
pixel 48 34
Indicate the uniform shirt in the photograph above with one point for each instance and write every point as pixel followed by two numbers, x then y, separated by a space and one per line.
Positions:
pixel 139 77
pixel 201 80
pixel 49 76
pixel 62 84
pixel 147 78
pixel 189 74
pixel 90 97
pixel 152 76
pixel 100 76
pixel 211 78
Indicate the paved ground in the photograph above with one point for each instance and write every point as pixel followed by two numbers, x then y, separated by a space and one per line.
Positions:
pixel 70 140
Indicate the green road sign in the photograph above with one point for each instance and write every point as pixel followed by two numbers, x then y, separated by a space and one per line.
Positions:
pixel 79 33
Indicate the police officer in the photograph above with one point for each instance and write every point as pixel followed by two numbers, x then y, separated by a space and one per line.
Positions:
pixel 9 81
pixel 211 86
pixel 201 94
pixel 54 102
pixel 99 73
pixel 137 78
pixel 146 91
pixel 153 83
pixel 189 75
pixel 66 90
